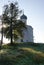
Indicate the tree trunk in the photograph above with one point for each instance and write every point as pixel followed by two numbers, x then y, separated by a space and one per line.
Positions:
pixel 11 31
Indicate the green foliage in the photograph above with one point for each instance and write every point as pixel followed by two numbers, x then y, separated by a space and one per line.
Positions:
pixel 13 26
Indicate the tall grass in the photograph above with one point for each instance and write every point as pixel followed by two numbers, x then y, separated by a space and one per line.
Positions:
pixel 22 54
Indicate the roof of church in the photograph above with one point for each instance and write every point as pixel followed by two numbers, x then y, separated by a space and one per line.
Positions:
pixel 23 17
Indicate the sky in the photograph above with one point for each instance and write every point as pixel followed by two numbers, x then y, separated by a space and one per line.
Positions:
pixel 34 10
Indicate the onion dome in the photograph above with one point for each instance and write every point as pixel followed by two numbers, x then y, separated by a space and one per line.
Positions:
pixel 23 17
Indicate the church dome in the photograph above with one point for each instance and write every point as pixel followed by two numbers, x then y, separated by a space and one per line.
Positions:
pixel 23 17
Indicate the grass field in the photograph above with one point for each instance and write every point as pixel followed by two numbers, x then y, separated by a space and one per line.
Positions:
pixel 22 54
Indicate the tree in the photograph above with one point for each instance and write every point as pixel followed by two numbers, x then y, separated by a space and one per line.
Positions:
pixel 13 27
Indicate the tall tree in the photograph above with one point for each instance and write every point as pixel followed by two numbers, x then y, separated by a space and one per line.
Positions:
pixel 13 27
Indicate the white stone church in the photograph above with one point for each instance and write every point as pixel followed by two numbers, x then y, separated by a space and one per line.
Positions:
pixel 27 33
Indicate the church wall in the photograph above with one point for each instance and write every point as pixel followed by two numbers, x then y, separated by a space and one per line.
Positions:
pixel 28 34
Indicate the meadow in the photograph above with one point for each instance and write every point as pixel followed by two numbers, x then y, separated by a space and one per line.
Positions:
pixel 22 54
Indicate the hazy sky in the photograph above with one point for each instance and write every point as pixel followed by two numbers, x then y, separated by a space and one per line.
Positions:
pixel 34 10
